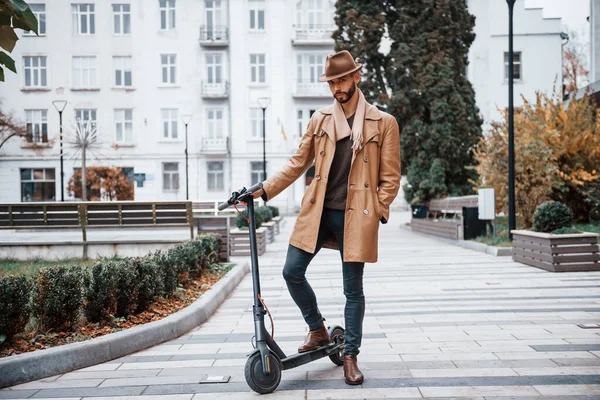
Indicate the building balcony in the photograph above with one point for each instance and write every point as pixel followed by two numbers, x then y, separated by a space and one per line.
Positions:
pixel 306 89
pixel 311 35
pixel 214 145
pixel 215 90
pixel 214 36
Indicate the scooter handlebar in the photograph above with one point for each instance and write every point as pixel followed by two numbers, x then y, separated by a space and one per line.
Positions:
pixel 240 195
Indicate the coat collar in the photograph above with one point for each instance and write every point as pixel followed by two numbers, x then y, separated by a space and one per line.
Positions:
pixel 372 114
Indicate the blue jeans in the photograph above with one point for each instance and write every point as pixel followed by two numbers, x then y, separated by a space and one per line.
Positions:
pixel 294 273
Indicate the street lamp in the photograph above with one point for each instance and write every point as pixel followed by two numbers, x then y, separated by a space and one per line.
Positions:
pixel 263 102
pixel 186 118
pixel 60 106
pixel 512 223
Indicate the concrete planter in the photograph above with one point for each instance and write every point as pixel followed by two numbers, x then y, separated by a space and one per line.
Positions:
pixel 270 227
pixel 239 242
pixel 278 223
pixel 557 253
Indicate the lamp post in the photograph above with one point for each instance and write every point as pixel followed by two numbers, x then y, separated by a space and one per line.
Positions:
pixel 186 118
pixel 511 126
pixel 263 102
pixel 60 106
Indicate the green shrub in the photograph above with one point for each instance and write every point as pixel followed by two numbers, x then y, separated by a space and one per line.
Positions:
pixel 266 213
pixel 242 223
pixel 212 249
pixel 124 274
pixel 552 215
pixel 58 296
pixel 149 283
pixel 15 292
pixel 593 201
pixel 274 211
pixel 100 294
pixel 570 229
pixel 168 273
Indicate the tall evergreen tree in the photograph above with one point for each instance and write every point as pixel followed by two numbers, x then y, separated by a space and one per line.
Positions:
pixel 421 81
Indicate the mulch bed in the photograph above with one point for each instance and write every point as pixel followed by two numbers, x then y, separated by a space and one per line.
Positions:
pixel 26 342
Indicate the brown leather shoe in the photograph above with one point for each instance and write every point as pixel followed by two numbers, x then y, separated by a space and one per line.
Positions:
pixel 314 339
pixel 352 374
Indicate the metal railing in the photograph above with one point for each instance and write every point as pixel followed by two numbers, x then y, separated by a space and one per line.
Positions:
pixel 215 89
pixel 314 32
pixel 311 88
pixel 214 33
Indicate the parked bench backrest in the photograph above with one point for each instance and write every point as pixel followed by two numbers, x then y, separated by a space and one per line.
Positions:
pixel 29 215
pixel 453 205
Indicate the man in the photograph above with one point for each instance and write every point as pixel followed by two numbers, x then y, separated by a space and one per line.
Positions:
pixel 356 150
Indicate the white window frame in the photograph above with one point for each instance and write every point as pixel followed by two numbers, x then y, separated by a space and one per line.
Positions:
pixel 168 63
pixel 258 172
pixel 173 181
pixel 303 116
pixel 213 16
pixel 258 69
pixel 37 73
pixel 256 127
pixel 214 69
pixel 124 124
pixel 309 67
pixel 79 15
pixel 84 72
pixel 37 125
pixel 86 115
pixel 255 9
pixel 169 118
pixel 39 10
pixel 214 125
pixel 168 15
pixel 122 65
pixel 518 64
pixel 215 178
pixel 44 179
pixel 307 8
pixel 121 13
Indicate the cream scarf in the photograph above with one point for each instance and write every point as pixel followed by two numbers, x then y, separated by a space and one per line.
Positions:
pixel 342 129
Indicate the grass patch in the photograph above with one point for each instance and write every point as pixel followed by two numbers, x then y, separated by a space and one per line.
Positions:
pixel 31 267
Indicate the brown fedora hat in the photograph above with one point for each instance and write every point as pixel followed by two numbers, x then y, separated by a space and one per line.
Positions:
pixel 338 65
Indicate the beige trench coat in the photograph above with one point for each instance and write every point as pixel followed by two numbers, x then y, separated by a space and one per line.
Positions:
pixel 372 185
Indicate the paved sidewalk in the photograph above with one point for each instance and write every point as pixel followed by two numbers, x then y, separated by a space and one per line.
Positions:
pixel 441 322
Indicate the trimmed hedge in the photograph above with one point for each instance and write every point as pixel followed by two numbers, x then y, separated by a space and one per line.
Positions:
pixel 59 295
pixel 242 223
pixel 266 212
pixel 274 211
pixel 552 215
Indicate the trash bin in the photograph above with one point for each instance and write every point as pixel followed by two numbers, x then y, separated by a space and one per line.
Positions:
pixel 472 225
pixel 419 211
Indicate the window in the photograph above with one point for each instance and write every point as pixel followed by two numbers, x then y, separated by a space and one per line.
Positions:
pixel 84 21
pixel 36 71
pixel 315 14
pixel 169 123
pixel 517 70
pixel 122 68
pixel 213 68
pixel 256 172
pixel 256 123
pixel 124 125
pixel 39 10
pixel 214 123
pixel 169 68
pixel 86 117
pixel 38 184
pixel 171 176
pixel 216 175
pixel 257 15
pixel 37 126
pixel 167 14
pixel 121 19
pixel 303 116
pixel 84 72
pixel 213 16
pixel 257 68
pixel 310 67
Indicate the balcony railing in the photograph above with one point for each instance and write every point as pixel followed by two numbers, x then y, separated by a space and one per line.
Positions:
pixel 215 145
pixel 215 35
pixel 215 90
pixel 311 89
pixel 313 34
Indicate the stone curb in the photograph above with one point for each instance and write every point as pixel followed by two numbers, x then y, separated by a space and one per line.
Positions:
pixel 468 244
pixel 59 360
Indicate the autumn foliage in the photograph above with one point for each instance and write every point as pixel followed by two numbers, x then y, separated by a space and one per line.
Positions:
pixel 103 183
pixel 557 156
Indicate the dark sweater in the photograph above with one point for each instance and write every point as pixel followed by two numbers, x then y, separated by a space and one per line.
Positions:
pixel 337 182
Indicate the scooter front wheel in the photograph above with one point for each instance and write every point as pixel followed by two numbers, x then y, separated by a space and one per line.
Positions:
pixel 256 379
pixel 336 334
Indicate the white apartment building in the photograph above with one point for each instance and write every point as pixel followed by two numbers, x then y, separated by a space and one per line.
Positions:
pixel 137 68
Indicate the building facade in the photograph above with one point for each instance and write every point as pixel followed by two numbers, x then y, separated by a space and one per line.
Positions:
pixel 141 71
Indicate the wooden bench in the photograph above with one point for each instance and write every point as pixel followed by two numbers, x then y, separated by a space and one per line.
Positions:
pixel 444 217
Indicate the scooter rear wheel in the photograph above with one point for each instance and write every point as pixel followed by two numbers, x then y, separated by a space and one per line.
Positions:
pixel 337 336
pixel 256 379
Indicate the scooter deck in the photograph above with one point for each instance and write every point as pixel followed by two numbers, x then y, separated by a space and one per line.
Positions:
pixel 298 359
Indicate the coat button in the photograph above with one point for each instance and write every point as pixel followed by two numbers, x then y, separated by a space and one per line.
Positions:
pixel 366 184
pixel 318 177
pixel 312 201
pixel 366 212
pixel 366 159
pixel 322 153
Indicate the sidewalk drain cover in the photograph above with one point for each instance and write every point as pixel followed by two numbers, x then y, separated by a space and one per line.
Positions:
pixel 215 379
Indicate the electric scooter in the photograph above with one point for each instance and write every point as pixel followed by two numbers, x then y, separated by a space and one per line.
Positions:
pixel 264 366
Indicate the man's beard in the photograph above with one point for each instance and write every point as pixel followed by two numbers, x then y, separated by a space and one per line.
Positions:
pixel 348 95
